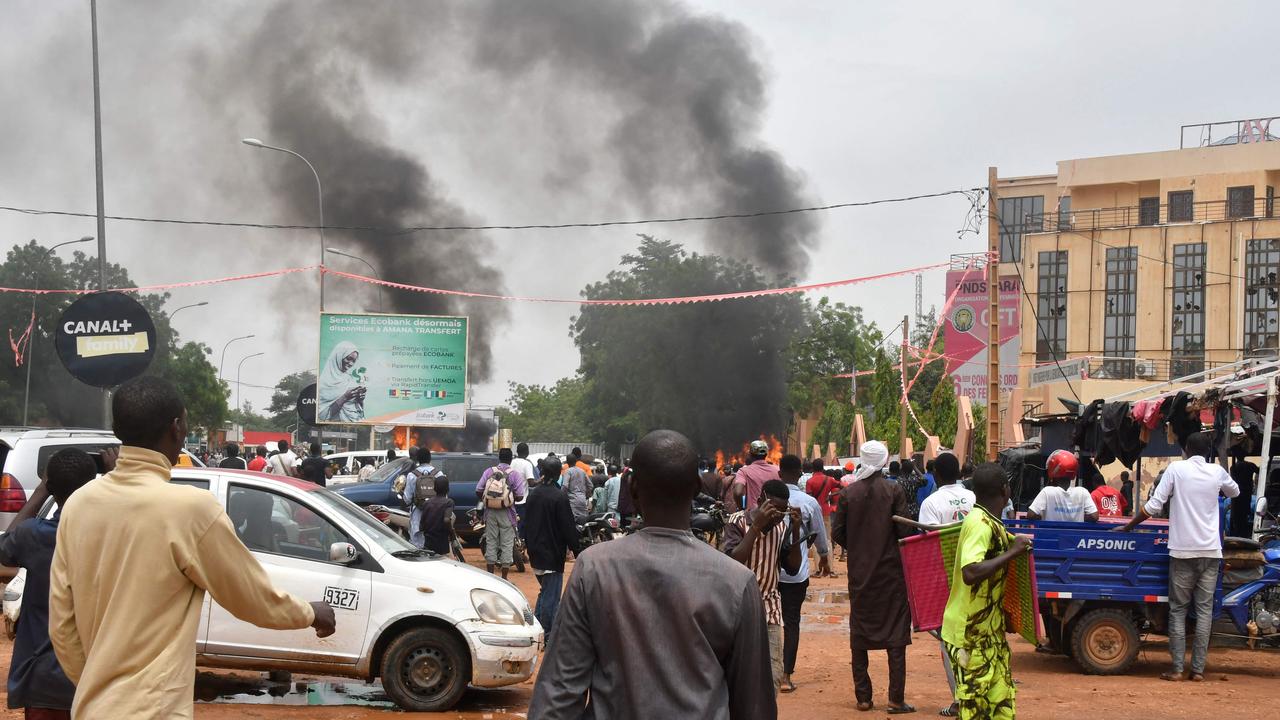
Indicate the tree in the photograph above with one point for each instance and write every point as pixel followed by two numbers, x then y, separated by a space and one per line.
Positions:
pixel 941 413
pixel 835 341
pixel 885 394
pixel 932 373
pixel 979 453
pixel 538 413
pixel 245 417
pixel 715 371
pixel 197 380
pixel 284 401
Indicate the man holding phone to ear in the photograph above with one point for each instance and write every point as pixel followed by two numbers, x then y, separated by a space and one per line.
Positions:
pixel 766 538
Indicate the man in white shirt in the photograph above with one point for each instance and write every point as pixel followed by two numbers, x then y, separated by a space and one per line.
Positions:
pixel 950 503
pixel 1058 500
pixel 522 463
pixel 1191 488
pixel 282 462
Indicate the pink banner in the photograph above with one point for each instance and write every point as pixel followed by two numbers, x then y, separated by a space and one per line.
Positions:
pixel 966 332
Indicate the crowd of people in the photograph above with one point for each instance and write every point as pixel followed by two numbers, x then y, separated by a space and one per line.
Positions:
pixel 655 623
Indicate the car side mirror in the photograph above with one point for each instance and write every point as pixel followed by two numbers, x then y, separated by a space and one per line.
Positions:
pixel 343 552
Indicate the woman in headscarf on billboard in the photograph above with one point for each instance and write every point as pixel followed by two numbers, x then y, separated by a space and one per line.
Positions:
pixel 339 394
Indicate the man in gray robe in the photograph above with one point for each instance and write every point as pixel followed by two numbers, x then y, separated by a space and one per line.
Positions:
pixel 658 624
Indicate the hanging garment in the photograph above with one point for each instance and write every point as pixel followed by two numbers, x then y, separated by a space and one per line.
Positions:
pixel 1147 412
pixel 1085 435
pixel 1121 434
pixel 1182 422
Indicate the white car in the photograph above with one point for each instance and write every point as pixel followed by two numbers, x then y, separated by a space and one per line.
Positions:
pixel 426 625
pixel 349 463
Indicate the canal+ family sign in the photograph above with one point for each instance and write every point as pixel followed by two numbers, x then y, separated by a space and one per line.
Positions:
pixel 106 338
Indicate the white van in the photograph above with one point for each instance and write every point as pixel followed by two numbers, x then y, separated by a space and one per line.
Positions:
pixel 349 463
pixel 426 625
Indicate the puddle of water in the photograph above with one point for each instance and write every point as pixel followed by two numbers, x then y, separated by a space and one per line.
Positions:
pixel 830 597
pixel 230 689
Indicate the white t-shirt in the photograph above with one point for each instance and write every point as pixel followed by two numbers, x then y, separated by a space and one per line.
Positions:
pixel 1070 505
pixel 949 504
pixel 524 466
pixel 281 463
pixel 1191 489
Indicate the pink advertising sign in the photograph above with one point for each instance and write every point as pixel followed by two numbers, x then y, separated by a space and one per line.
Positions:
pixel 966 332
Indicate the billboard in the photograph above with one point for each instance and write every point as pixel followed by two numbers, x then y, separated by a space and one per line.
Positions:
pixel 392 370
pixel 966 332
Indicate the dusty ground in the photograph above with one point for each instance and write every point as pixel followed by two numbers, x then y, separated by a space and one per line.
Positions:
pixel 1242 683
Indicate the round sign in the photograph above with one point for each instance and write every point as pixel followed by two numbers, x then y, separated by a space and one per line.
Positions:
pixel 307 405
pixel 106 338
pixel 963 318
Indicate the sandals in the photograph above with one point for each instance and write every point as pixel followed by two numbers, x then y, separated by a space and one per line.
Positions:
pixel 1196 677
pixel 865 706
pixel 901 709
pixel 952 710
pixel 1172 676
pixel 787 686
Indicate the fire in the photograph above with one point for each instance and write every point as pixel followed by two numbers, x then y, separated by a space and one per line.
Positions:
pixel 774 457
pixel 406 437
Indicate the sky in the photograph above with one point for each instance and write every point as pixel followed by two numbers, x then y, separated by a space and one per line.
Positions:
pixel 861 101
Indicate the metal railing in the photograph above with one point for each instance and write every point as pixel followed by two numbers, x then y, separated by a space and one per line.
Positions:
pixel 1154 369
pixel 1149 215
pixel 1228 132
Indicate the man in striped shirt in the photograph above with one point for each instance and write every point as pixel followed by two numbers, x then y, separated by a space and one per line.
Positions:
pixel 766 538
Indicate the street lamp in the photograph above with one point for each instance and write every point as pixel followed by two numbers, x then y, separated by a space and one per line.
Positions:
pixel 174 314
pixel 254 142
pixel 246 357
pixel 372 269
pixel 31 339
pixel 223 360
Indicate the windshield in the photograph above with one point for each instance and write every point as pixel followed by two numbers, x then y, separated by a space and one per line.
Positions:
pixel 399 466
pixel 368 525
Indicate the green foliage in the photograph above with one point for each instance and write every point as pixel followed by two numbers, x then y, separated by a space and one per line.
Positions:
pixel 714 371
pixel 979 454
pixel 284 401
pixel 931 374
pixel 197 379
pixel 246 418
pixel 940 415
pixel 835 425
pixel 834 341
pixel 536 413
pixel 882 421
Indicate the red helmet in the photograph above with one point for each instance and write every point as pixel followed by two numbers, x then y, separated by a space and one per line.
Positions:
pixel 1062 464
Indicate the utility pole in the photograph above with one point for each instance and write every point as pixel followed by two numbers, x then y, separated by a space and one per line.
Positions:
pixel 97 162
pixel 993 317
pixel 902 409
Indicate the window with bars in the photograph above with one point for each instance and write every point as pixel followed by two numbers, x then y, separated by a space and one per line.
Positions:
pixel 1051 306
pixel 1240 202
pixel 1149 211
pixel 1120 314
pixel 1261 296
pixel 1187 337
pixel 1182 206
pixel 1018 215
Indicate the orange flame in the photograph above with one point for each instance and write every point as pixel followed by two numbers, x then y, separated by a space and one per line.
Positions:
pixel 406 437
pixel 774 457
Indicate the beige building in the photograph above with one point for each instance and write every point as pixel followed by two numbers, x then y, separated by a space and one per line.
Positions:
pixel 1145 267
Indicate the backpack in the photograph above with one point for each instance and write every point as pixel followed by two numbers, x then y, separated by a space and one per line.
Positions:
pixel 497 492
pixel 424 485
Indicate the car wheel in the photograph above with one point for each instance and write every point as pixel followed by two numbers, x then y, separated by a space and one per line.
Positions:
pixel 1105 642
pixel 426 669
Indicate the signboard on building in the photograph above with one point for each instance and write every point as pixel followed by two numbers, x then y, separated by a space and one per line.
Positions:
pixel 392 370
pixel 106 338
pixel 1066 370
pixel 966 332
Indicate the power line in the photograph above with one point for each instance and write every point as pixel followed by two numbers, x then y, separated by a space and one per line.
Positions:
pixel 460 228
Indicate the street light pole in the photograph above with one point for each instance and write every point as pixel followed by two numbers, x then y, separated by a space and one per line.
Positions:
pixel 97 163
pixel 174 314
pixel 31 339
pixel 372 269
pixel 246 357
pixel 223 360
pixel 254 142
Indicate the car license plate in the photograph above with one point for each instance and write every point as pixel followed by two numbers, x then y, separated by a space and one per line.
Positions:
pixel 341 599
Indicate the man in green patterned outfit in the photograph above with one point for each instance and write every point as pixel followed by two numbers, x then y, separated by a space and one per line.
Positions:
pixel 973 626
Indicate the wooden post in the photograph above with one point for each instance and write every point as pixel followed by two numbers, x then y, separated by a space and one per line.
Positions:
pixel 902 410
pixel 993 318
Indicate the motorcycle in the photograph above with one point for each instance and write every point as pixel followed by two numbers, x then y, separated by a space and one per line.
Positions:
pixel 598 528
pixel 398 520
pixel 475 517
pixel 707 519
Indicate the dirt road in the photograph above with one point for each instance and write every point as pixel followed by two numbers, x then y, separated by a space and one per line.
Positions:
pixel 1241 686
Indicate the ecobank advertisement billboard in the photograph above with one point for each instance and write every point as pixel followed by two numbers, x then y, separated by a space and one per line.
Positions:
pixel 392 370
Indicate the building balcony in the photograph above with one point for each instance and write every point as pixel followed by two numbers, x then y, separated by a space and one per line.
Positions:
pixel 1150 214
